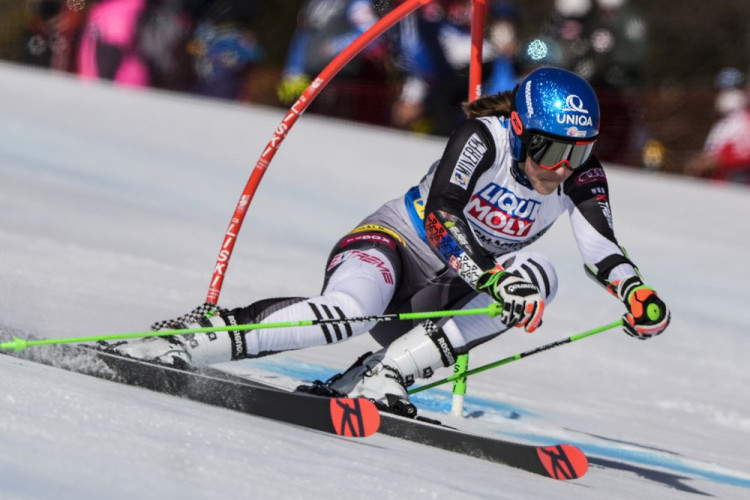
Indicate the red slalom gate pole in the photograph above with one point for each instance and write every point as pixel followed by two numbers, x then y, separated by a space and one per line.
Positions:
pixel 478 10
pixel 230 237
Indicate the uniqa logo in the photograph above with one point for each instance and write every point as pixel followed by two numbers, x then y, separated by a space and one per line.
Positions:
pixel 575 104
pixel 580 120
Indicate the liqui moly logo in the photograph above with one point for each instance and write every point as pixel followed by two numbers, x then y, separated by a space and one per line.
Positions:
pixel 499 211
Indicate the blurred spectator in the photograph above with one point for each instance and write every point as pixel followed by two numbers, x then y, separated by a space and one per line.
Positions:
pixel 565 35
pixel 435 51
pixel 324 29
pixel 163 30
pixel 502 29
pixel 726 153
pixel 605 42
pixel 53 26
pixel 618 40
pixel 109 48
pixel 224 49
pixel 137 43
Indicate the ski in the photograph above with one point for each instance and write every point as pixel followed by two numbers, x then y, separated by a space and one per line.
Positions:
pixel 341 416
pixel 349 417
pixel 557 461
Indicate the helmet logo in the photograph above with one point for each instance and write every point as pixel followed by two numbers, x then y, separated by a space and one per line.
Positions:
pixel 575 132
pixel 575 104
pixel 515 122
pixel 527 95
pixel 580 120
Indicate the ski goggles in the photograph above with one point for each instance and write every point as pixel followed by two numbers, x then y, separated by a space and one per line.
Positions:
pixel 551 153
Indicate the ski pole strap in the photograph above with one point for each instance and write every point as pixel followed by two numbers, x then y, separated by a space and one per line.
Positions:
pixel 18 344
pixel 516 357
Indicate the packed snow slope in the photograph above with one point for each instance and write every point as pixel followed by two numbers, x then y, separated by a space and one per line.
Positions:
pixel 113 205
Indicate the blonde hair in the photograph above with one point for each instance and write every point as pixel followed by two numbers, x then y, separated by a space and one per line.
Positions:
pixel 492 105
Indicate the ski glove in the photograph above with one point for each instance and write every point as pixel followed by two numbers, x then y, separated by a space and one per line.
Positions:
pixel 647 314
pixel 522 301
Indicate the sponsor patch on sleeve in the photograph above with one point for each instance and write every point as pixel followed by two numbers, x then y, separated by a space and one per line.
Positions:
pixel 590 176
pixel 380 229
pixel 468 160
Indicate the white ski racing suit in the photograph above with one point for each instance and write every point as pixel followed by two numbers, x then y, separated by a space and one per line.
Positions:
pixel 425 250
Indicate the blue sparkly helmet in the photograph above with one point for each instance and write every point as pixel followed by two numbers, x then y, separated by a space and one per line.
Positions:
pixel 554 119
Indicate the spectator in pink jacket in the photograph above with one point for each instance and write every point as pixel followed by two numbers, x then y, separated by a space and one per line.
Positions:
pixel 108 47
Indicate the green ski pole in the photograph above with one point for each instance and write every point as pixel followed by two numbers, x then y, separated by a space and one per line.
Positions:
pixel 516 357
pixel 459 384
pixel 18 344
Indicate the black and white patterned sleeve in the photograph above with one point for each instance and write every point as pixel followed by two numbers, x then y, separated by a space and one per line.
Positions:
pixel 591 220
pixel 469 153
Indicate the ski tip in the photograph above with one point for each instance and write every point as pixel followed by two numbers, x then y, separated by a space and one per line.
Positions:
pixel 563 461
pixel 354 417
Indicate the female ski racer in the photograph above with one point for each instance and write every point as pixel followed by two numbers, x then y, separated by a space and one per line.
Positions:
pixel 456 240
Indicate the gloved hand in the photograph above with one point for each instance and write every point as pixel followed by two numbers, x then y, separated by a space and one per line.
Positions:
pixel 647 314
pixel 291 87
pixel 522 301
